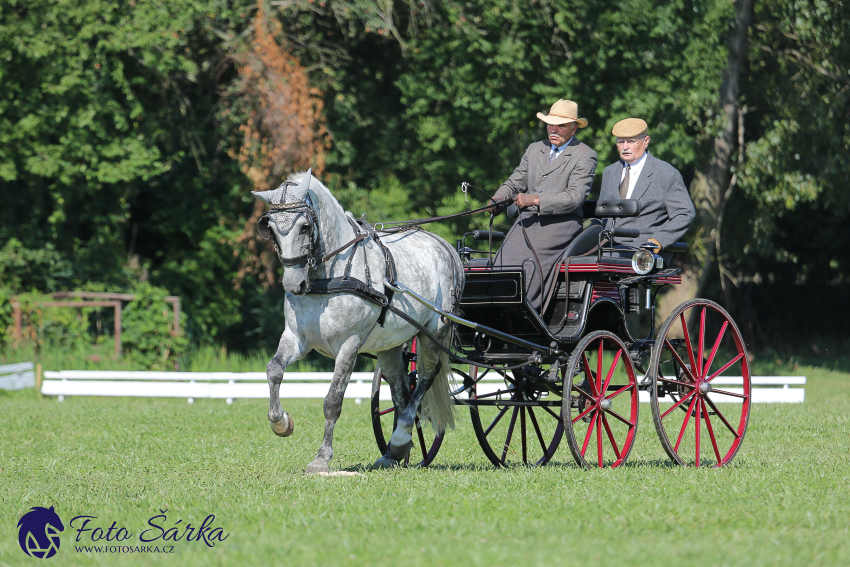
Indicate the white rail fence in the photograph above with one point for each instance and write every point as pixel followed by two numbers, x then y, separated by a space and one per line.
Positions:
pixel 17 376
pixel 233 385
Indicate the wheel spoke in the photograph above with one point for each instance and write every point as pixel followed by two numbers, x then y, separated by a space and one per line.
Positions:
pixel 697 423
pixel 537 429
pixel 496 420
pixel 687 342
pixel 582 392
pixel 710 431
pixel 677 404
pixel 611 372
pixel 620 391
pixel 701 346
pixel 522 432
pixel 509 435
pixel 553 414
pixel 678 383
pixel 599 367
pixel 714 349
pixel 587 437
pixel 587 371
pixel 685 425
pixel 611 437
pixel 621 418
pixel 725 366
pixel 727 393
pixel 720 415
pixel 678 358
pixel 599 437
pixel 422 445
pixel 584 413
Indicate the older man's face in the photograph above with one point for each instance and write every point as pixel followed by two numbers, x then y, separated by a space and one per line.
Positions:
pixel 632 149
pixel 559 134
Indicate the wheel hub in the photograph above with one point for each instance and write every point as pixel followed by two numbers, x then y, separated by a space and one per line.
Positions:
pixel 605 404
pixel 704 388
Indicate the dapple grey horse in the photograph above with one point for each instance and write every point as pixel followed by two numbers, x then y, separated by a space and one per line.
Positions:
pixel 307 224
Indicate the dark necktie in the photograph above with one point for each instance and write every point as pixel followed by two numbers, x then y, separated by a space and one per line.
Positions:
pixel 624 184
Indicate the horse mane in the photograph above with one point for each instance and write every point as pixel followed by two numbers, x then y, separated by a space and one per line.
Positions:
pixel 334 228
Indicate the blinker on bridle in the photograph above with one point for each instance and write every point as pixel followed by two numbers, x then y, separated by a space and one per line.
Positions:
pixel 301 207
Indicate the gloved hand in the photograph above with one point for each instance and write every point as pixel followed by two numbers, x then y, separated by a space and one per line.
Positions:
pixel 524 200
pixel 656 243
pixel 499 205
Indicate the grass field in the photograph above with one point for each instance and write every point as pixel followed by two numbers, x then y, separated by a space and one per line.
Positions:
pixel 784 501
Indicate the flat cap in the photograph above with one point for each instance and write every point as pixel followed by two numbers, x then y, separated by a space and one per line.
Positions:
pixel 629 127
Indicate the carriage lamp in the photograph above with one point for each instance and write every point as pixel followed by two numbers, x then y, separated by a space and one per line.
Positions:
pixel 643 261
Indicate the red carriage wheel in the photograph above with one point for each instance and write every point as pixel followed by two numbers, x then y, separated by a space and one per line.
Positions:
pixel 515 422
pixel 600 414
pixel 426 443
pixel 700 414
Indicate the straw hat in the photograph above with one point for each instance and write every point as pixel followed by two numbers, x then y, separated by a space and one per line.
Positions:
pixel 629 128
pixel 563 112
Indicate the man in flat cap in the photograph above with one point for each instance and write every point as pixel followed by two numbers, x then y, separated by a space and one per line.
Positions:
pixel 549 187
pixel 666 208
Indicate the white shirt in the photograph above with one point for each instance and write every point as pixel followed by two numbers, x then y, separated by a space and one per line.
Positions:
pixel 634 174
pixel 558 149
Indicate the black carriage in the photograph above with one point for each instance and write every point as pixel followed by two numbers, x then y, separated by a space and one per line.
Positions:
pixel 580 369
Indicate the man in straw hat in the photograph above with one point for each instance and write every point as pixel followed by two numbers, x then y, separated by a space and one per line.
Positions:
pixel 666 208
pixel 549 187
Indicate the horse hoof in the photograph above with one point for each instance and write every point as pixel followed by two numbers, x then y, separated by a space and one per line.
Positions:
pixel 400 445
pixel 284 427
pixel 384 463
pixel 317 468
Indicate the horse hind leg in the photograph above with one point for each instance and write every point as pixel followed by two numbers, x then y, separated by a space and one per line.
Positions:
pixel 431 362
pixel 391 363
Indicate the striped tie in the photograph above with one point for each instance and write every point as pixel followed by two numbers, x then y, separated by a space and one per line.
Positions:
pixel 624 184
pixel 553 154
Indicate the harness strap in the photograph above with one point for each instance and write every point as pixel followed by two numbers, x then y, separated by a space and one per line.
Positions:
pixel 342 248
pixel 390 270
pixel 354 286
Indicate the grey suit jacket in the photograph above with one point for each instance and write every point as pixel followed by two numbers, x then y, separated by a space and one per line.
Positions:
pixel 666 208
pixel 561 186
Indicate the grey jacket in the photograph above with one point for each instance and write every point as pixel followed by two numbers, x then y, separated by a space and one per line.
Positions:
pixel 561 186
pixel 666 208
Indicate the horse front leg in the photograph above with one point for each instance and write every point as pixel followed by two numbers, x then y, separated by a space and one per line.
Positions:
pixel 333 402
pixel 288 351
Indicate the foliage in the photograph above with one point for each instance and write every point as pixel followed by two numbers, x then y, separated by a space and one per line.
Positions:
pixel 149 339
pixel 131 134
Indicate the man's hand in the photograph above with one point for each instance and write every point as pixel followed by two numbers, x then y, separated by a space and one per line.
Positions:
pixel 524 200
pixel 657 244
pixel 499 205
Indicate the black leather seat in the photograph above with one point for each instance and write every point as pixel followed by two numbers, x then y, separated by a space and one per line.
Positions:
pixel 584 242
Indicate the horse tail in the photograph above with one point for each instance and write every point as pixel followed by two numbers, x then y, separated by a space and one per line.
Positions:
pixel 437 403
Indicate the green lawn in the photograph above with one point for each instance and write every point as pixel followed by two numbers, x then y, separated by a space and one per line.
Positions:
pixel 784 501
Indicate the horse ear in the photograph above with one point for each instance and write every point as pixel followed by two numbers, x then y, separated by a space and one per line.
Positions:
pixel 299 192
pixel 263 195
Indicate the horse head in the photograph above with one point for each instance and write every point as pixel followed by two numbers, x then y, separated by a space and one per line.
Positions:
pixel 293 226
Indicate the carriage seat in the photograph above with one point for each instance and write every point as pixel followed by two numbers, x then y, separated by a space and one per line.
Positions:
pixel 584 242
